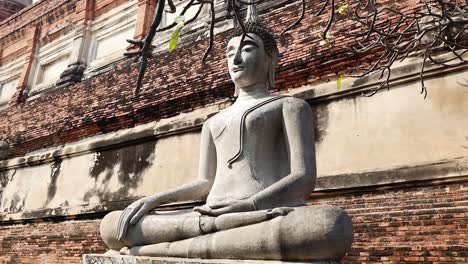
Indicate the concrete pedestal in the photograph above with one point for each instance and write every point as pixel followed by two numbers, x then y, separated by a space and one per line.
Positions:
pixel 104 259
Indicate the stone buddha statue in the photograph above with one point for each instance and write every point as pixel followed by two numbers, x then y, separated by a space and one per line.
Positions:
pixel 257 168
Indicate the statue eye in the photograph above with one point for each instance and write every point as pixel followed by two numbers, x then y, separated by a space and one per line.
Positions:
pixel 248 48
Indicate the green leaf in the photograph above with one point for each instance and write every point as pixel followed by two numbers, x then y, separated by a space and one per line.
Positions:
pixel 179 19
pixel 343 9
pixel 338 81
pixel 174 39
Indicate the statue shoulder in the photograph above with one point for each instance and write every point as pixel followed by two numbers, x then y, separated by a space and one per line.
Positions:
pixel 208 122
pixel 293 105
pixel 214 118
pixel 215 124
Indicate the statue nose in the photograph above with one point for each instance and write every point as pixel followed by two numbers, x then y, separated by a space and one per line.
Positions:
pixel 237 58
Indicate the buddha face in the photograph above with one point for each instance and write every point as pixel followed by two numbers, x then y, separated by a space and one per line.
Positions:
pixel 251 66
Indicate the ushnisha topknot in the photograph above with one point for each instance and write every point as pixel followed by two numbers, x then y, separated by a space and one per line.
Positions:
pixel 255 27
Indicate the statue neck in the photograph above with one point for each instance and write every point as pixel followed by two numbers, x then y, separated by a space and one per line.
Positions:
pixel 252 92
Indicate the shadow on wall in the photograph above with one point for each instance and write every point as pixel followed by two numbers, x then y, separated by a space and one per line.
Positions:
pixel 54 173
pixel 127 164
pixel 320 115
pixel 5 177
pixel 4 149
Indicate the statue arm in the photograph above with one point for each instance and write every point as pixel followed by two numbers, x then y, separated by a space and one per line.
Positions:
pixel 196 190
pixel 200 188
pixel 299 136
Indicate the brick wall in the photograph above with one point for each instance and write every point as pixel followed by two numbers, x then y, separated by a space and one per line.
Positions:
pixel 407 224
pixel 49 242
pixel 400 224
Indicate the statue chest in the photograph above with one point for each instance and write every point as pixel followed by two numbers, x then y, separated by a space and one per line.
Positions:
pixel 251 135
pixel 250 151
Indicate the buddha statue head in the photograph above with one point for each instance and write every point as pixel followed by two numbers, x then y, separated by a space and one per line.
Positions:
pixel 254 60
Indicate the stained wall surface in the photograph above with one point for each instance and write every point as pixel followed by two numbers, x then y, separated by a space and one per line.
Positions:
pixel 394 129
pixel 103 176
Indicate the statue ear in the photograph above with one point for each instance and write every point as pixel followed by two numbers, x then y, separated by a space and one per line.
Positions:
pixel 272 70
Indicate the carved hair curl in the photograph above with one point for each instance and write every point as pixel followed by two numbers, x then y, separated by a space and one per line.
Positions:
pixel 257 28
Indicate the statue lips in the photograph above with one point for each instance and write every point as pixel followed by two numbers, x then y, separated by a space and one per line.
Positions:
pixel 237 69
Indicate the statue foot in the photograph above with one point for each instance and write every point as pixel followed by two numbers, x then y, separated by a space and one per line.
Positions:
pixel 112 252
pixel 133 251
pixel 137 251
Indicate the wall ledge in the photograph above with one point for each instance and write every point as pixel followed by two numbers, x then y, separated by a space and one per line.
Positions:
pixel 423 175
pixel 402 73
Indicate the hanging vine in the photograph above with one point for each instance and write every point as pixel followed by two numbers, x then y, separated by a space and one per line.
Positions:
pixel 438 25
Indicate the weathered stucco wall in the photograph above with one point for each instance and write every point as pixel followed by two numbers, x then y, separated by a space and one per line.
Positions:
pixel 103 176
pixel 93 174
pixel 394 129
pixel 394 136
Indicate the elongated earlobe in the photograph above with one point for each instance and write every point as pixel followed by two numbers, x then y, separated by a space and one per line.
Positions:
pixel 272 71
pixel 271 77
pixel 236 91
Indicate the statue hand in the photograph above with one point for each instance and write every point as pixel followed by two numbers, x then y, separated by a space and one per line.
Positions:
pixel 279 211
pixel 225 207
pixel 132 214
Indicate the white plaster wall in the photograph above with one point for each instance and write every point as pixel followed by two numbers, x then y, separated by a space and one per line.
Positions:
pixel 73 181
pixel 395 129
pixel 174 161
pixel 26 189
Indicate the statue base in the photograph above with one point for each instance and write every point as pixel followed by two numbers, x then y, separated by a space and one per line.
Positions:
pixel 107 259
